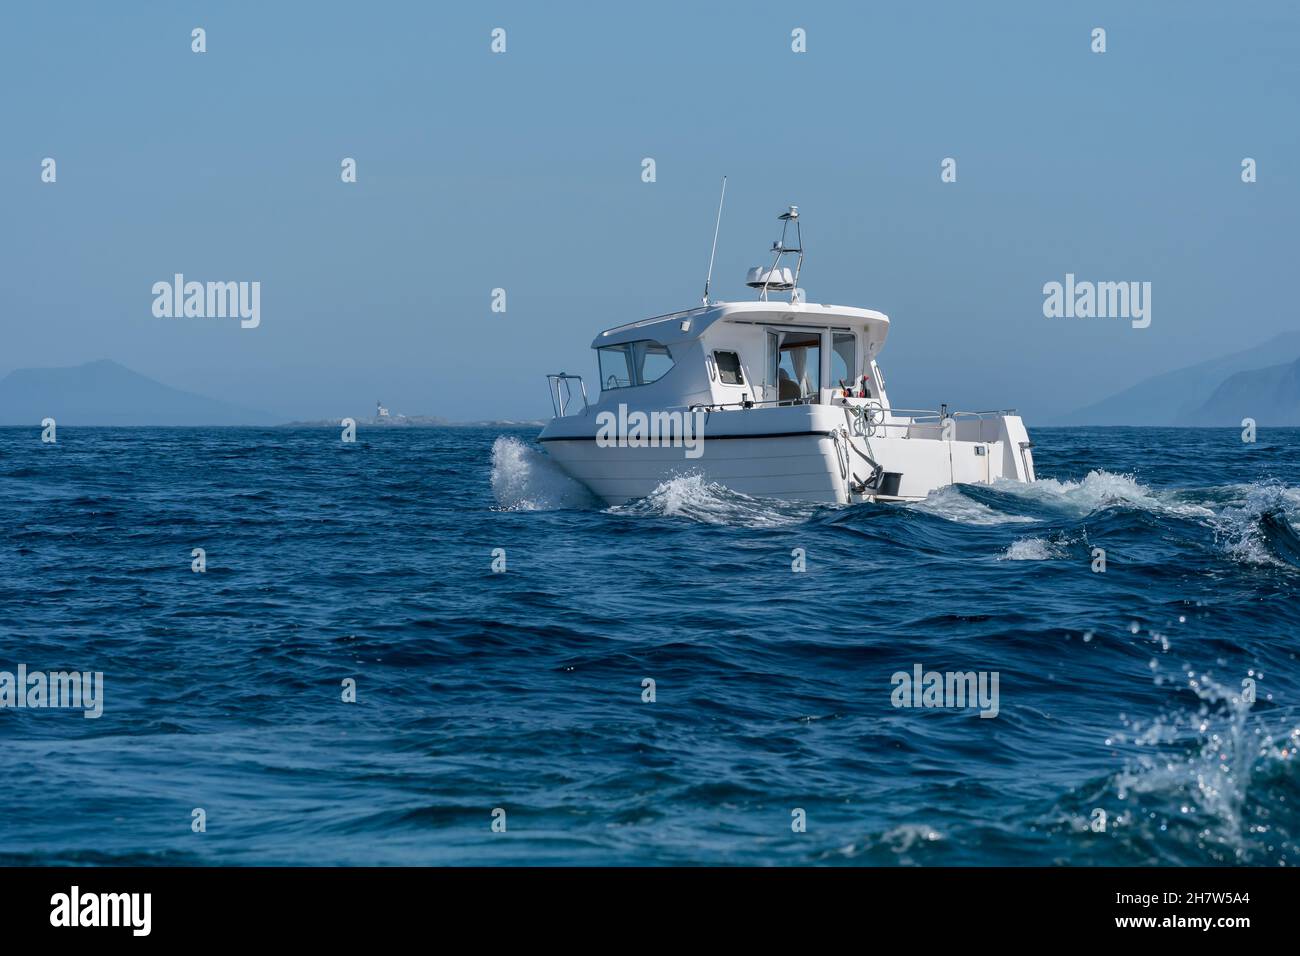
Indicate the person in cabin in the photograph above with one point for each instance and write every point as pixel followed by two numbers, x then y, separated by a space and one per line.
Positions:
pixel 787 389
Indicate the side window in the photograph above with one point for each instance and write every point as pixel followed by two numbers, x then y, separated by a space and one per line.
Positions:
pixel 654 360
pixel 729 372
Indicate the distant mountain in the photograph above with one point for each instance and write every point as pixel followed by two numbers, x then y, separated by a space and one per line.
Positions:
pixel 106 393
pixel 1271 396
pixel 1176 398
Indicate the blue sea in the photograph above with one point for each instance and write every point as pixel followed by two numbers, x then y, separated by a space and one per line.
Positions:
pixel 1147 713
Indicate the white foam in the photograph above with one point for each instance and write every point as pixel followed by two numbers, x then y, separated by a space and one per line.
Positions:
pixel 524 479
pixel 903 837
pixel 1032 549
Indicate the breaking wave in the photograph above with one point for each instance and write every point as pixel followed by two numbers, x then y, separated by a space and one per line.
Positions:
pixel 1243 527
pixel 1099 490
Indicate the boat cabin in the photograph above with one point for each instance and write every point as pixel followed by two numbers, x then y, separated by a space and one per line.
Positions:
pixel 736 355
pixel 741 355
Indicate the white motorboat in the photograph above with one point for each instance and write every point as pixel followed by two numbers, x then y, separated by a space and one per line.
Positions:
pixel 779 399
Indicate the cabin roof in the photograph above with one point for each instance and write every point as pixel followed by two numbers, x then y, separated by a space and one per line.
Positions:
pixel 667 329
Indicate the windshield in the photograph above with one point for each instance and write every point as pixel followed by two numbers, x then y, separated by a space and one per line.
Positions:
pixel 633 363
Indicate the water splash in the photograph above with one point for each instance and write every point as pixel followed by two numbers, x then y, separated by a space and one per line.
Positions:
pixel 524 479
pixel 1194 774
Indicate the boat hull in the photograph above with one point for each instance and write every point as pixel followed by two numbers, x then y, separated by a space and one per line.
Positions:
pixel 794 468
pixel 799 453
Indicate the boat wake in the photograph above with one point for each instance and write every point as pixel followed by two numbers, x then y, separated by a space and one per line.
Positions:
pixel 1252 523
pixel 695 498
pixel 1099 490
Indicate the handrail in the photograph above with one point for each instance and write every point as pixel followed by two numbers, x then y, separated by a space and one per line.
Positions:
pixel 890 417
pixel 809 400
pixel 906 419
pixel 560 399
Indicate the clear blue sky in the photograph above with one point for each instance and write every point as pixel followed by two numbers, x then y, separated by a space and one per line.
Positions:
pixel 523 171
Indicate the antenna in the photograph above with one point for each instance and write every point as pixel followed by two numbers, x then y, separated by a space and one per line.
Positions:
pixel 778 277
pixel 713 252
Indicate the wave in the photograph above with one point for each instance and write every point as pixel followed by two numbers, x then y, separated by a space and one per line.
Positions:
pixel 1100 490
pixel 952 504
pixel 1051 499
pixel 1033 549
pixel 905 844
pixel 1254 525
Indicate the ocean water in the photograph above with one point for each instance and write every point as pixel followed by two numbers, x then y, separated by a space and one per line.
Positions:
pixel 1121 692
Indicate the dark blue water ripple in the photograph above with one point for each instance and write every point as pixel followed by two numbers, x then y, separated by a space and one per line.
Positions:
pixel 1119 692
